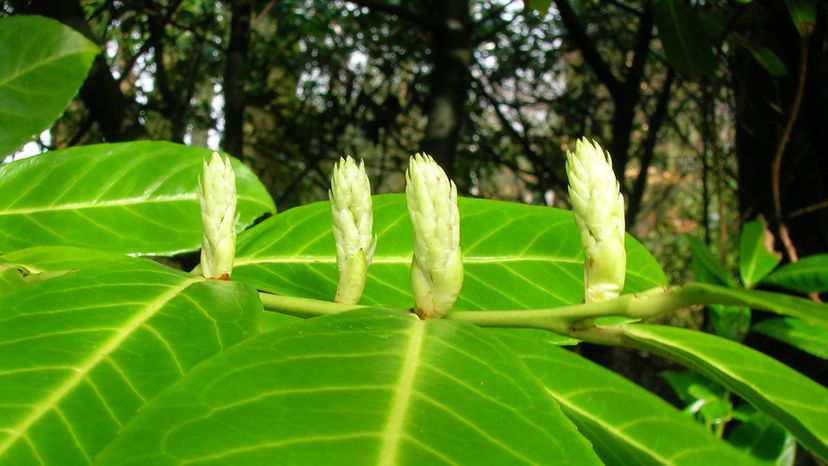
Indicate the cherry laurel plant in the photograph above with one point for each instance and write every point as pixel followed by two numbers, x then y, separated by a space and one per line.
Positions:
pixel 415 329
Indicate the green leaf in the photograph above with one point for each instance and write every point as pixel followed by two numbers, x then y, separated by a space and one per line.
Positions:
pixel 679 27
pixel 80 354
pixel 795 401
pixel 626 424
pixel 42 65
pixel 803 15
pixel 731 322
pixel 757 255
pixel 357 388
pixel 808 275
pixel 541 6
pixel 809 338
pixel 11 277
pixel 515 256
pixel 765 440
pixel 691 387
pixel 793 306
pixel 114 197
pixel 768 59
pixel 57 258
pixel 706 268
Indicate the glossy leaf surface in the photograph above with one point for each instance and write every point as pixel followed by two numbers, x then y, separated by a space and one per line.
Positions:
pixel 515 256
pixel 57 258
pixel 808 275
pixel 626 424
pixel 80 354
pixel 137 198
pixel 795 401
pixel 358 388
pixel 42 65
pixel 809 338
pixel 757 255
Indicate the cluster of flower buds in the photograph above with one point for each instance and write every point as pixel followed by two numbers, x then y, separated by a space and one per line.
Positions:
pixel 217 196
pixel 599 212
pixel 353 222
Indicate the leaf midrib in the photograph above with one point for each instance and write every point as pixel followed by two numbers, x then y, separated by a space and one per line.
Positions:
pixel 52 59
pixel 104 350
pixel 399 408
pixel 123 202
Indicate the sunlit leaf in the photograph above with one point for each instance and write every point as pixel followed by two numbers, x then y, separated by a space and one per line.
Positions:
pixel 756 250
pixel 136 197
pixel 357 388
pixel 80 354
pixel 626 424
pixel 809 274
pixel 515 256
pixel 809 338
pixel 42 65
pixel 793 400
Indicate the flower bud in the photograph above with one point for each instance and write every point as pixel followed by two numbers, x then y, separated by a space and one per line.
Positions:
pixel 353 223
pixel 437 267
pixel 599 212
pixel 217 195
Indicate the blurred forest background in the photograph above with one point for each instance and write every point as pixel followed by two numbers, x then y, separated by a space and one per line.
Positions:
pixel 715 112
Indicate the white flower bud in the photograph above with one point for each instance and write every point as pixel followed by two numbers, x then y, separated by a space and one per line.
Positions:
pixel 217 195
pixel 437 267
pixel 599 212
pixel 353 222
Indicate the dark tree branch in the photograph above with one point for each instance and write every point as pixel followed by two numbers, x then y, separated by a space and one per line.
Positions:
pixel 648 149
pixel 234 77
pixel 588 49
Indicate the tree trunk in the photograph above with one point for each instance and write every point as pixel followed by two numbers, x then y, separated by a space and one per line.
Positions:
pixel 235 75
pixel 450 80
pixel 101 94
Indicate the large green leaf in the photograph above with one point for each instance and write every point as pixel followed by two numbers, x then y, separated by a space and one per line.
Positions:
pixel 515 256
pixel 795 401
pixel 764 439
pixel 797 333
pixel 357 388
pixel 687 48
pixel 137 198
pixel 627 424
pixel 757 255
pixel 42 65
pixel 808 275
pixel 80 354
pixel 40 259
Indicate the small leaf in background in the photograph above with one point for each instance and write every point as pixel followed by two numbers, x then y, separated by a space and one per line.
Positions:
pixel 82 353
pixel 731 322
pixel 115 197
pixel 808 275
pixel 812 339
pixel 687 50
pixel 360 388
pixel 757 256
pixel 42 65
pixel 768 59
pixel 706 268
pixel 803 15
pixel 764 440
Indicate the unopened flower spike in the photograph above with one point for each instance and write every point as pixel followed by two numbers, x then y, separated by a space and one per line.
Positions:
pixel 599 212
pixel 437 267
pixel 353 222
pixel 217 195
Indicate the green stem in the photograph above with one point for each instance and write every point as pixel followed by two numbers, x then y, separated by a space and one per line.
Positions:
pixel 304 307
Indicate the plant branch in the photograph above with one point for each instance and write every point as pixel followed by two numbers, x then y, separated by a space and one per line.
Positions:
pixel 776 168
